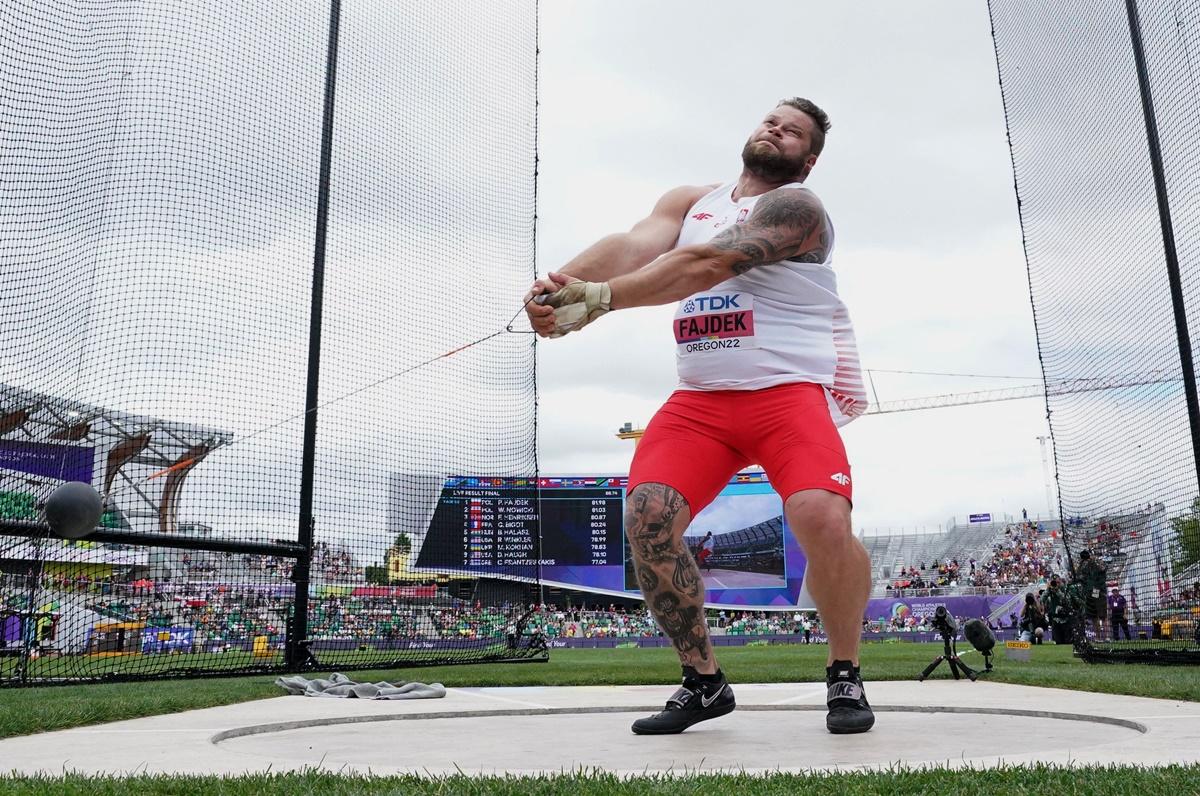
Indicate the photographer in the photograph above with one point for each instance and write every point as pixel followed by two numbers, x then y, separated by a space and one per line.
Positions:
pixel 1093 577
pixel 1059 612
pixel 1033 620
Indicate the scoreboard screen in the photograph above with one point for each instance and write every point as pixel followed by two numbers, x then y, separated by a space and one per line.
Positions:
pixel 569 531
pixel 493 523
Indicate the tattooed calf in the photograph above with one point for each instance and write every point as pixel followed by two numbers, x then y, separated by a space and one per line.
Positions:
pixel 647 579
pixel 686 577
pixel 649 520
pixel 683 624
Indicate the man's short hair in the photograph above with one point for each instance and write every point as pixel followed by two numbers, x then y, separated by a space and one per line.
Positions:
pixel 819 116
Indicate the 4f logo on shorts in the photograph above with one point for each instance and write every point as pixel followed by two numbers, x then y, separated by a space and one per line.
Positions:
pixel 841 478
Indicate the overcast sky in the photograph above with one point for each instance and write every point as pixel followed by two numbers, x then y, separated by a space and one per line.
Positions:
pixel 637 98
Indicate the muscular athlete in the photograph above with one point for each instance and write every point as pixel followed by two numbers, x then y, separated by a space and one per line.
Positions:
pixel 768 368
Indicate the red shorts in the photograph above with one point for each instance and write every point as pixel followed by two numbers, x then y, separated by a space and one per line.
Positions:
pixel 698 440
pixel 703 555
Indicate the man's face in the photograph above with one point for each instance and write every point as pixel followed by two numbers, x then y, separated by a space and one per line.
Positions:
pixel 780 148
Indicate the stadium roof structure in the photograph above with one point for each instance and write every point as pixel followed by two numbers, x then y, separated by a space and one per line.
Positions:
pixel 131 442
pixel 38 417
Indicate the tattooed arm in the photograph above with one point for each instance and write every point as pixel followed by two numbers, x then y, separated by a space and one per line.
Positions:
pixel 787 224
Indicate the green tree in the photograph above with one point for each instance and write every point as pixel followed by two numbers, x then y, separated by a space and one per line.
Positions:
pixel 1187 537
pixel 403 543
pixel 376 576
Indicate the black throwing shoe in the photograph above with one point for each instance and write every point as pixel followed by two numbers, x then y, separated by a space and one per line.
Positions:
pixel 849 711
pixel 695 701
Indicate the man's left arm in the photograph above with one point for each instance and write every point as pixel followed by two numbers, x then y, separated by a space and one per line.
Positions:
pixel 787 224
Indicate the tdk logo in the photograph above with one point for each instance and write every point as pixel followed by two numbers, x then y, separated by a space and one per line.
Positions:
pixel 689 306
pixel 714 303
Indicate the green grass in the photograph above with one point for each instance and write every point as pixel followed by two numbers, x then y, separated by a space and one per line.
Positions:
pixel 1037 780
pixel 29 710
pixel 233 662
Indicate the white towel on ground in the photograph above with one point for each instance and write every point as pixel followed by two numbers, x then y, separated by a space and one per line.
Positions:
pixel 339 686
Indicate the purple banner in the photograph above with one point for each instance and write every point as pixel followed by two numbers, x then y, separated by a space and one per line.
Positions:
pixel 617 641
pixel 479 644
pixel 10 630
pixel 741 641
pixel 62 462
pixel 964 608
pixel 167 639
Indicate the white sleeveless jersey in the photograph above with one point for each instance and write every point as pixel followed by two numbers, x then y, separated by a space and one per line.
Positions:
pixel 775 324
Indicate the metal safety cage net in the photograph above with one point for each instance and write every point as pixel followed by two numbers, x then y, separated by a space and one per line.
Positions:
pixel 1103 112
pixel 256 266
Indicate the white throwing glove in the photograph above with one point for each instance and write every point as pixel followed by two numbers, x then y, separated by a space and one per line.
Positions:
pixel 577 304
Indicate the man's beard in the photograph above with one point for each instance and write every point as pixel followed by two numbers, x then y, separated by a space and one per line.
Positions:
pixel 772 165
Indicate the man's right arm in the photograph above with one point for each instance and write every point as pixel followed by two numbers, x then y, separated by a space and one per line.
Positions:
pixel 626 252
pixel 622 253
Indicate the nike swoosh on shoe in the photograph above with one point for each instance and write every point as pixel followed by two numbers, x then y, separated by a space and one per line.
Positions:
pixel 705 701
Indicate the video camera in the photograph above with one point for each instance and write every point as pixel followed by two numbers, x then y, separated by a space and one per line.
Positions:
pixel 943 622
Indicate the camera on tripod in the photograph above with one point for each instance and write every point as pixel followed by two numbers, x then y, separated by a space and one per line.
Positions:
pixel 977 633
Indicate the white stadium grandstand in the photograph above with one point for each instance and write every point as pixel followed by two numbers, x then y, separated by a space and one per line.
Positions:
pixel 894 556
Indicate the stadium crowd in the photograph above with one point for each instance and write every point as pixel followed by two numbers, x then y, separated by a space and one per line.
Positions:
pixel 900 624
pixel 1025 555
pixel 328 563
pixel 615 621
pixel 941 575
pixel 1182 598
pixel 225 614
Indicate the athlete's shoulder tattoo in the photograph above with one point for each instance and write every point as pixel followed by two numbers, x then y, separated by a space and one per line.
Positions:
pixel 787 224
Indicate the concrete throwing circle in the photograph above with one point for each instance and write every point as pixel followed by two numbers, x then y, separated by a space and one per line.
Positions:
pixel 753 738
